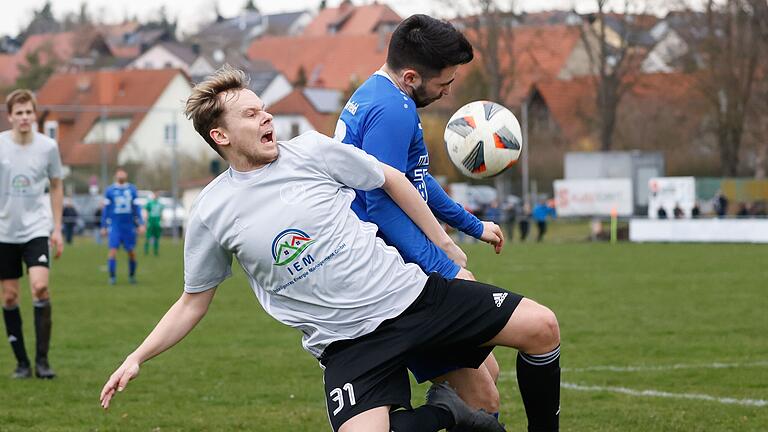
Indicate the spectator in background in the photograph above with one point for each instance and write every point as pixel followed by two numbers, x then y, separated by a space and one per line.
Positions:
pixel 525 225
pixel 695 211
pixel 721 204
pixel 69 220
pixel 743 212
pixel 154 211
pixel 493 212
pixel 97 224
pixel 678 212
pixel 509 213
pixel 661 213
pixel 541 212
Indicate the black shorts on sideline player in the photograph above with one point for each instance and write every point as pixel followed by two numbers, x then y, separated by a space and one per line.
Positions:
pixel 33 253
pixel 449 320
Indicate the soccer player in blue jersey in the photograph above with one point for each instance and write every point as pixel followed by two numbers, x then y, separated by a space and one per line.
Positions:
pixel 381 118
pixel 121 217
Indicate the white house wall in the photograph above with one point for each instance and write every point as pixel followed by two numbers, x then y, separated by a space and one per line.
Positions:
pixel 665 53
pixel 283 123
pixel 147 143
pixel 158 57
pixel 279 88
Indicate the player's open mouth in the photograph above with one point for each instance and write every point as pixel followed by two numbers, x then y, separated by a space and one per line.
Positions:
pixel 267 137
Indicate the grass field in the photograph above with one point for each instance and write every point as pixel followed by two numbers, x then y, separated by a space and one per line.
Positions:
pixel 656 337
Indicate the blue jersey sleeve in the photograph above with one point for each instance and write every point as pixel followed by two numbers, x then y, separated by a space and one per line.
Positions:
pixel 387 137
pixel 451 212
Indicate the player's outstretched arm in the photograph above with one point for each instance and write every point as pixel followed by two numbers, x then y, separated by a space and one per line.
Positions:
pixel 397 186
pixel 57 199
pixel 180 319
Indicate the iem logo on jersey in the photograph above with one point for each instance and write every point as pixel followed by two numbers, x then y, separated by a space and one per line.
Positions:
pixel 288 247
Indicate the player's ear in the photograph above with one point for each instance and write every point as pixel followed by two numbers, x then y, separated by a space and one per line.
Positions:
pixel 219 136
pixel 411 78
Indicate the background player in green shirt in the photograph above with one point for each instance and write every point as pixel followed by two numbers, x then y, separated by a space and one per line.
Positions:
pixel 154 214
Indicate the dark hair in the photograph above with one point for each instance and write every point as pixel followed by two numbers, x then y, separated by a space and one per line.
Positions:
pixel 427 45
pixel 206 105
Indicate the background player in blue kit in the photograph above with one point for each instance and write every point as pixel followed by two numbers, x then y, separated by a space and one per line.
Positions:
pixel 380 118
pixel 121 217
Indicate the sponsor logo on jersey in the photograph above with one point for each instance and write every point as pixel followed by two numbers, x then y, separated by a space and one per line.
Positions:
pixel 289 246
pixel 21 183
pixel 498 298
pixel 351 107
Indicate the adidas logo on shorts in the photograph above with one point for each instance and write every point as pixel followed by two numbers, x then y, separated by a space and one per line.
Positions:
pixel 498 298
pixel 42 259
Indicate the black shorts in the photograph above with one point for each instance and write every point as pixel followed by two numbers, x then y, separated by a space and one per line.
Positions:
pixel 449 320
pixel 34 253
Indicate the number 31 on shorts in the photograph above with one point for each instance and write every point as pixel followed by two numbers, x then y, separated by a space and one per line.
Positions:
pixel 337 395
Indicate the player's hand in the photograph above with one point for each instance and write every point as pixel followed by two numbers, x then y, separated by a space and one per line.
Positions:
pixel 465 274
pixel 119 379
pixel 455 254
pixel 103 232
pixel 57 244
pixel 492 234
pixel 142 229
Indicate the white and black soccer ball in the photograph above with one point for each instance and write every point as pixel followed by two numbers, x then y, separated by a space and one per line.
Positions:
pixel 483 139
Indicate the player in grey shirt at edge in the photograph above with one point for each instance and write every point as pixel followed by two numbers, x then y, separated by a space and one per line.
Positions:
pixel 283 209
pixel 28 161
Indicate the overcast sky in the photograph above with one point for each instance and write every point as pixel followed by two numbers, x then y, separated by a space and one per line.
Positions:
pixel 14 15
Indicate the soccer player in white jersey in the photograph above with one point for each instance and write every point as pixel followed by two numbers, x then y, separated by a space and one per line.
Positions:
pixel 28 162
pixel 283 210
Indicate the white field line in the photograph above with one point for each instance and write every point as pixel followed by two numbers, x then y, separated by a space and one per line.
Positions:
pixel 655 368
pixel 658 393
pixel 663 394
pixel 651 368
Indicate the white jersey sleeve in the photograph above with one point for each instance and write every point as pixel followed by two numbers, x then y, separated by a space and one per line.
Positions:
pixel 206 262
pixel 349 165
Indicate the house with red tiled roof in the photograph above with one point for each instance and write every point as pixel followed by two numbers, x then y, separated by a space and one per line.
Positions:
pixel 75 50
pixel 125 117
pixel 335 62
pixel 167 55
pixel 348 19
pixel 306 109
pixel 659 112
pixel 8 69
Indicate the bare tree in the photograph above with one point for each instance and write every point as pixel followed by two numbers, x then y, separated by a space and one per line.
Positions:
pixel 615 62
pixel 731 50
pixel 761 110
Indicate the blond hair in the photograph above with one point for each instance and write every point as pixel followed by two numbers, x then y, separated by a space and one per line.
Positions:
pixel 205 106
pixel 20 96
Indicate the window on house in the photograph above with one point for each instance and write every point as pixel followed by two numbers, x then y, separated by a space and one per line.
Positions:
pixel 51 128
pixel 294 130
pixel 170 133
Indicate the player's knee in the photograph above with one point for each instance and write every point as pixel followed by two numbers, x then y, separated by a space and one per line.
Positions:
pixel 547 329
pixel 488 398
pixel 10 298
pixel 40 290
pixel 493 368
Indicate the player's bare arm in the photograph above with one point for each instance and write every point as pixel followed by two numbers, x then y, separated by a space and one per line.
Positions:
pixel 57 198
pixel 180 319
pixel 397 186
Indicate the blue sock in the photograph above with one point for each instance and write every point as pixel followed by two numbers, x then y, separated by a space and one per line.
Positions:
pixel 112 265
pixel 131 267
